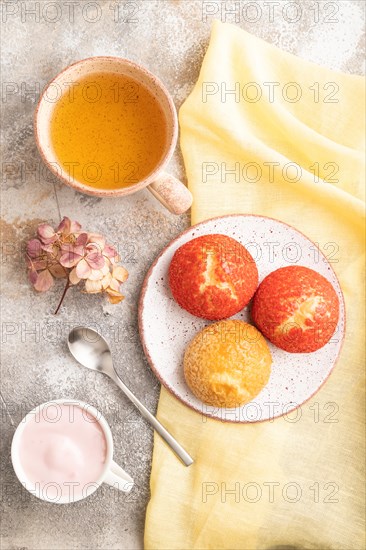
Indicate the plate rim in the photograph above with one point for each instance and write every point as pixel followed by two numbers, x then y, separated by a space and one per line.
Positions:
pixel 142 330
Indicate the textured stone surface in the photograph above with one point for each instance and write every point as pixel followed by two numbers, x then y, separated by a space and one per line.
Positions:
pixel 170 38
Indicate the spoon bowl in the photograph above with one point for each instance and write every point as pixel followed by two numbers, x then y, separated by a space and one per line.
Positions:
pixel 91 350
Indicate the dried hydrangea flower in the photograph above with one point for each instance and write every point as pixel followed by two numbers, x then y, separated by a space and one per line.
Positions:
pixel 80 257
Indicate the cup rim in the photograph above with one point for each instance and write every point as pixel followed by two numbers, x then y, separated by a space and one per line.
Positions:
pixel 121 191
pixel 18 469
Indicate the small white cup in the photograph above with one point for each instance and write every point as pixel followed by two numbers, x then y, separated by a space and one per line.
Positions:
pixel 112 474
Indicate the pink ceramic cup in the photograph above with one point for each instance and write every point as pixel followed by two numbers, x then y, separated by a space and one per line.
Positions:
pixel 172 193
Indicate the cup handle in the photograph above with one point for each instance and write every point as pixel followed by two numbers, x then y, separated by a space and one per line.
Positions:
pixel 118 478
pixel 172 193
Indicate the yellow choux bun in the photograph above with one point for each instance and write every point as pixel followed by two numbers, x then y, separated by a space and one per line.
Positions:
pixel 227 363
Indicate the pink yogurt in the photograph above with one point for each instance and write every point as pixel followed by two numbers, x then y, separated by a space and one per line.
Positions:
pixel 62 451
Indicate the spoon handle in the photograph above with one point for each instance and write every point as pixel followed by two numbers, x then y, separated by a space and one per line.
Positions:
pixel 163 432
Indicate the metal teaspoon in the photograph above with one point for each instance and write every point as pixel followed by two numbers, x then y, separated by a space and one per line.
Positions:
pixel 91 350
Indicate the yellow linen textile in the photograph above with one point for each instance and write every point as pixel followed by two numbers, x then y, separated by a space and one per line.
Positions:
pixel 320 457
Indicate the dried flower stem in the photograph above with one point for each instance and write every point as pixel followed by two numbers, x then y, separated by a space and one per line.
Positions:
pixel 67 286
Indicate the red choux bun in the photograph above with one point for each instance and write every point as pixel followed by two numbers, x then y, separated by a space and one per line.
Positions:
pixel 296 308
pixel 213 276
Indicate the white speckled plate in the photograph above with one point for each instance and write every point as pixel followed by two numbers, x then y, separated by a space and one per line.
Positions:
pixel 166 329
